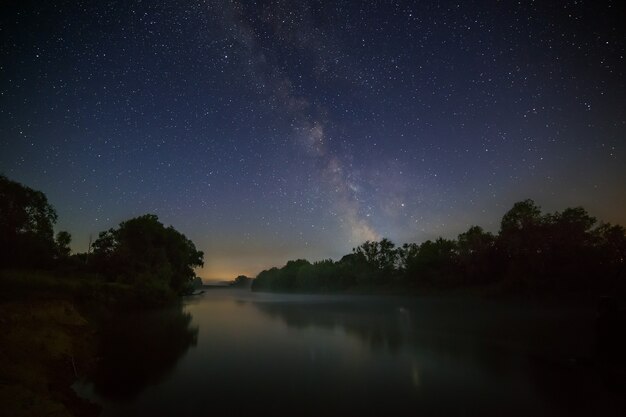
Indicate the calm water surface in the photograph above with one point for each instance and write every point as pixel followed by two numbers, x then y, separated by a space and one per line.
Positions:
pixel 230 352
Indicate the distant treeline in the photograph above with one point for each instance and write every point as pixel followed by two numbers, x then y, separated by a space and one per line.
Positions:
pixel 153 260
pixel 559 252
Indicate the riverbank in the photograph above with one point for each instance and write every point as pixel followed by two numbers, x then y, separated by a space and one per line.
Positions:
pixel 50 332
pixel 47 344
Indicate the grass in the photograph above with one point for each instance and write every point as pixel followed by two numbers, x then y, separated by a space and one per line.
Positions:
pixel 45 345
pixel 49 335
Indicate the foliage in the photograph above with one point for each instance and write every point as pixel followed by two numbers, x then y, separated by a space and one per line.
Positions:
pixel 145 253
pixel 381 255
pixel 241 281
pixel 477 255
pixel 26 226
pixel 532 251
pixel 432 263
pixel 562 251
pixel 62 241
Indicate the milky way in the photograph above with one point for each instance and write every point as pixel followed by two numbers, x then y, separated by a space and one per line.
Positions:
pixel 267 131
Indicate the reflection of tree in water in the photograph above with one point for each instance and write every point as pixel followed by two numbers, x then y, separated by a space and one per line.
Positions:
pixel 140 349
pixel 379 326
pixel 465 329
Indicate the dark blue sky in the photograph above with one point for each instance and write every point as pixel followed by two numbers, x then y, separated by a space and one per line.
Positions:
pixel 267 131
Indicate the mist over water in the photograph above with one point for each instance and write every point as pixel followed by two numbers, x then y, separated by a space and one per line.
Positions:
pixel 232 352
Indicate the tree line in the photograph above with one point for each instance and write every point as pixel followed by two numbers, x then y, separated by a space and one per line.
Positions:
pixel 561 251
pixel 532 251
pixel 141 252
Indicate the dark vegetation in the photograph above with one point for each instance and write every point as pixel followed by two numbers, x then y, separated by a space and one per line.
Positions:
pixel 241 281
pixel 562 252
pixel 26 228
pixel 143 253
pixel 60 311
pixel 153 261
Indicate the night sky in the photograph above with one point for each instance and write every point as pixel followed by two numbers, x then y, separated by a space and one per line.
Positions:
pixel 268 131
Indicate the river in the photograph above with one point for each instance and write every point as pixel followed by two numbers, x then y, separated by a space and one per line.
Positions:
pixel 233 352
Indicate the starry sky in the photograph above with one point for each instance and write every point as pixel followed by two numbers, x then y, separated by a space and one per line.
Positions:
pixel 271 130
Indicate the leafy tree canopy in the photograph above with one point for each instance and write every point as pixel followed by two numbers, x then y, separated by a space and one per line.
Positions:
pixel 532 251
pixel 26 225
pixel 143 251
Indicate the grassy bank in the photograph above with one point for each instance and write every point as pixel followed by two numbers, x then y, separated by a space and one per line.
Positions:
pixel 49 336
pixel 47 343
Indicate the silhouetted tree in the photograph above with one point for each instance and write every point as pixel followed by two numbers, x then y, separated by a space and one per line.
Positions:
pixel 241 281
pixel 26 226
pixel 264 281
pixel 352 268
pixel 611 254
pixel 521 241
pixel 381 255
pixel 554 252
pixel 433 264
pixel 523 215
pixel 477 256
pixel 319 276
pixel 406 253
pixel 63 240
pixel 520 229
pixel 142 251
pixel 381 259
pixel 567 249
pixel 286 279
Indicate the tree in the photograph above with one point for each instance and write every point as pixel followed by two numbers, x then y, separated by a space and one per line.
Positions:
pixel 241 281
pixel 26 225
pixel 522 241
pixel 352 268
pixel 286 279
pixel 562 251
pixel 265 280
pixel 63 240
pixel 477 257
pixel 523 215
pixel 567 248
pixel 611 252
pixel 474 241
pixel 381 255
pixel 142 251
pixel 434 263
pixel 569 231
pixel 319 276
pixel 406 253
pixel 575 222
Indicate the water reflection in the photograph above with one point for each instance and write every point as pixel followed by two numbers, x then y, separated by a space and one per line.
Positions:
pixel 268 354
pixel 140 349
pixel 381 327
pixel 487 357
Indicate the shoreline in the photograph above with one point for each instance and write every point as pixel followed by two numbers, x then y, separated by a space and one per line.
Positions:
pixel 50 330
pixel 48 344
